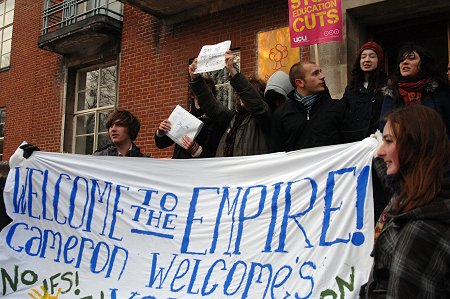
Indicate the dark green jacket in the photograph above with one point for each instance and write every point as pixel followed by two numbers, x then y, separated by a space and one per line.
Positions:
pixel 253 134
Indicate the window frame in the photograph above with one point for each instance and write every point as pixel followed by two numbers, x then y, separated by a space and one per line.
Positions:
pixel 96 110
pixel 229 103
pixel 3 28
pixel 2 132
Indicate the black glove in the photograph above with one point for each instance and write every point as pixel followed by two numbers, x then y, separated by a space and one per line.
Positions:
pixel 28 149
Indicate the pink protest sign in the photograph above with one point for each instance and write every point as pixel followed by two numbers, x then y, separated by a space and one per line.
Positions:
pixel 314 21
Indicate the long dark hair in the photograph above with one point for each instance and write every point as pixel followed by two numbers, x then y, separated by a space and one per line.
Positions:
pixel 428 67
pixel 423 152
pixel 378 76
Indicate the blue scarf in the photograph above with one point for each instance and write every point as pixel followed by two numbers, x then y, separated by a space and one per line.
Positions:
pixel 307 101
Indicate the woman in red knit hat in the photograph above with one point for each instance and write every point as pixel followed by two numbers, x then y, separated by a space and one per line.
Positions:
pixel 363 96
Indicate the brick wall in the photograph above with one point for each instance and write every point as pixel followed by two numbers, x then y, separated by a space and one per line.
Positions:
pixel 31 88
pixel 153 75
pixel 154 59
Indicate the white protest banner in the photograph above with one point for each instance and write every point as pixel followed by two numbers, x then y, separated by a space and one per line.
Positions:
pixel 183 123
pixel 284 225
pixel 212 57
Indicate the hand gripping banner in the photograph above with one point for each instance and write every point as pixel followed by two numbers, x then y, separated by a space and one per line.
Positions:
pixel 283 225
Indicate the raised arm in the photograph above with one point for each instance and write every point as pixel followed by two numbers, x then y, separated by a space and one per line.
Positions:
pixel 253 101
pixel 213 109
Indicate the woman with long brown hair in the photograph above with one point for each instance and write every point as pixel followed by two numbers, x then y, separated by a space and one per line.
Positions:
pixel 363 96
pixel 412 248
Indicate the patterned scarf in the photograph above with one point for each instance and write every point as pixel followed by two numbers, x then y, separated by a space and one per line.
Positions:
pixel 393 183
pixel 307 101
pixel 412 92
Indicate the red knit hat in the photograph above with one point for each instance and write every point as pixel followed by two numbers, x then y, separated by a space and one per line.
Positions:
pixel 377 49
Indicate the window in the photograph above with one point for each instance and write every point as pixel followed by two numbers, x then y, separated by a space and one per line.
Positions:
pixel 6 28
pixel 86 8
pixel 95 98
pixel 2 130
pixel 222 80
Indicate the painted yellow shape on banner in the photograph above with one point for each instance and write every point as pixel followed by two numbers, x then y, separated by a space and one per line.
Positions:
pixel 275 52
pixel 45 295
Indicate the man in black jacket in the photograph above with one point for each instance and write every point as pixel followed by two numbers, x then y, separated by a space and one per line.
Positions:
pixel 309 118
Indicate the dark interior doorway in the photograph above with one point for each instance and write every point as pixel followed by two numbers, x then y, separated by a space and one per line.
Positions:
pixel 431 34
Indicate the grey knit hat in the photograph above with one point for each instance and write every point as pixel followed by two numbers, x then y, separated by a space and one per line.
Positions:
pixel 279 82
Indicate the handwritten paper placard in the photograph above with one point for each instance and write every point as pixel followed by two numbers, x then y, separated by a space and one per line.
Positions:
pixel 212 57
pixel 183 123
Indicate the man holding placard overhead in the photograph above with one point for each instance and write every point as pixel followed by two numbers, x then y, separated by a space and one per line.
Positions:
pixel 247 128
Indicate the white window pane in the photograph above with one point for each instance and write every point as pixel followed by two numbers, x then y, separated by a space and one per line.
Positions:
pixel 107 97
pixel 2 116
pixel 6 48
pixel 84 145
pixel 87 90
pixel 1 150
pixel 87 100
pixel 90 4
pixel 96 88
pixel 108 87
pixel 9 17
pixel 102 121
pixel 7 33
pixel 116 6
pixel 109 76
pixel 5 60
pixel 92 79
pixel 2 8
pixel 9 5
pixel 85 124
pixel 81 81
pixel 103 139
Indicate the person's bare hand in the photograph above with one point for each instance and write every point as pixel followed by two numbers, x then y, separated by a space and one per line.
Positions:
pixel 192 69
pixel 229 58
pixel 187 142
pixel 164 126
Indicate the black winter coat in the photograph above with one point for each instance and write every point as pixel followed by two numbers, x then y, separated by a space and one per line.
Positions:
pixel 436 97
pixel 362 113
pixel 111 150
pixel 293 128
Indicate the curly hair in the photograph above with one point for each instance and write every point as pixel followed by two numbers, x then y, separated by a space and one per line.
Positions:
pixel 125 119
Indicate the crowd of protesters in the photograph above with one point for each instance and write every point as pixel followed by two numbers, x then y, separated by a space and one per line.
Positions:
pixel 295 111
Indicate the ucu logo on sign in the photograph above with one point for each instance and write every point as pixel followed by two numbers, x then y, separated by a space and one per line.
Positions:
pixel 300 39
pixel 331 32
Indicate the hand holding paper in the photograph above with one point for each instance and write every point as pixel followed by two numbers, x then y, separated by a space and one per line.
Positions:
pixel 183 123
pixel 229 60
pixel 212 57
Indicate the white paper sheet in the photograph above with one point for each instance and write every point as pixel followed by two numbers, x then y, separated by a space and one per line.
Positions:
pixel 212 57
pixel 183 123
